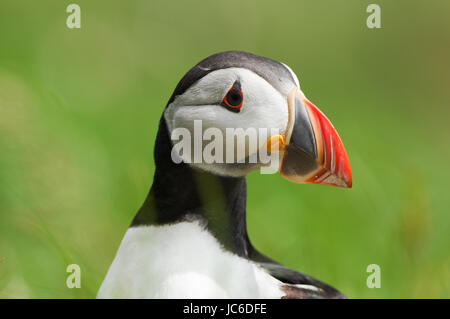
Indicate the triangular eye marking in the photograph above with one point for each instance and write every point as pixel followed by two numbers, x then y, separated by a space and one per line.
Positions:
pixel 234 98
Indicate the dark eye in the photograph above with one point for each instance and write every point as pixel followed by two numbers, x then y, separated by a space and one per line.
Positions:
pixel 234 98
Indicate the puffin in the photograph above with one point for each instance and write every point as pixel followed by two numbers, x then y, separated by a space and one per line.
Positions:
pixel 189 238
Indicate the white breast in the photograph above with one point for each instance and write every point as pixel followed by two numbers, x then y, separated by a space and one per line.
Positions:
pixel 182 261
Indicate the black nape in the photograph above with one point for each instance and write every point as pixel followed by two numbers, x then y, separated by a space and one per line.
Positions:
pixel 180 192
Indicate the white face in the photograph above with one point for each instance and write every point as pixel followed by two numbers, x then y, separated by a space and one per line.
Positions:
pixel 263 107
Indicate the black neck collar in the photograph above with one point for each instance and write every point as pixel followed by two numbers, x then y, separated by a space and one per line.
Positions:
pixel 181 193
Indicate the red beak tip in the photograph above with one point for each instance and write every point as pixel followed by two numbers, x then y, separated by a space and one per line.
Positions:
pixel 331 152
pixel 348 184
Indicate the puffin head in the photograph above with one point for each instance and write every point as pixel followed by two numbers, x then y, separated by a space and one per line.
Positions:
pixel 261 99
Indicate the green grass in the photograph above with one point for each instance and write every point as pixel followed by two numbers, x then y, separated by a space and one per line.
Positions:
pixel 79 111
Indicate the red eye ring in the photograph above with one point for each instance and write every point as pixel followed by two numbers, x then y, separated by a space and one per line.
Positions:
pixel 234 98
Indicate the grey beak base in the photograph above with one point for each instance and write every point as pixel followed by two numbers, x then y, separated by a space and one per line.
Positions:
pixel 302 134
pixel 298 163
pixel 300 157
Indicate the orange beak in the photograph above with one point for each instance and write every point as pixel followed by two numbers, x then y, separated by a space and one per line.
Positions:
pixel 313 150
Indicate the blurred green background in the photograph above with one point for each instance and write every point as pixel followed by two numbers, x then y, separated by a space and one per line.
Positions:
pixel 79 110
